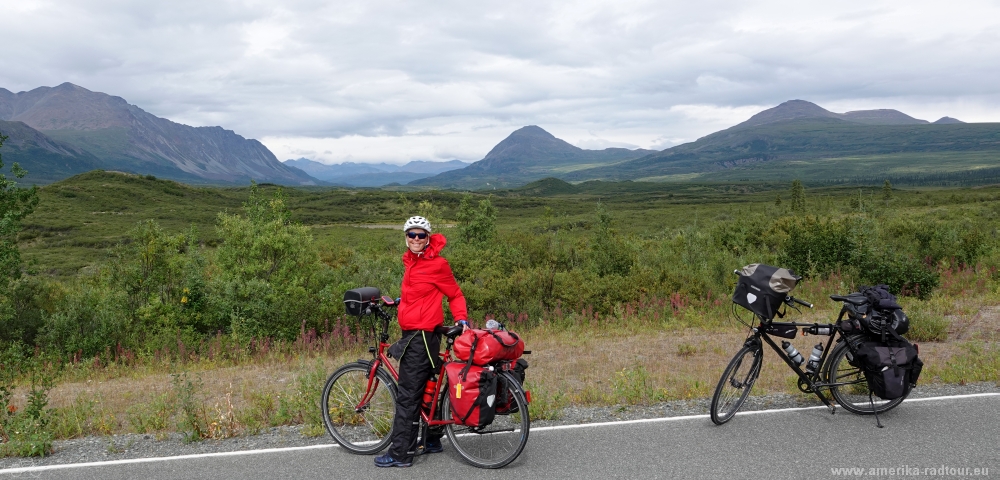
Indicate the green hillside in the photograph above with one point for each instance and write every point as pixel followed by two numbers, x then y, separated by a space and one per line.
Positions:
pixel 79 218
pixel 818 150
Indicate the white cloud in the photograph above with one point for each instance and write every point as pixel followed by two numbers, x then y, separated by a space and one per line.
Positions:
pixel 395 81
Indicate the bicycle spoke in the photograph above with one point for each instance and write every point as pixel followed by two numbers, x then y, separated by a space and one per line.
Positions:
pixel 359 427
pixel 735 384
pixel 496 444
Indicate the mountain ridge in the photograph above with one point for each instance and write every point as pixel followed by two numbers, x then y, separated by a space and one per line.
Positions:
pixel 123 136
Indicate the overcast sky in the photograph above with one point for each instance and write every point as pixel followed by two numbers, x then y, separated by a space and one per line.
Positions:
pixel 372 80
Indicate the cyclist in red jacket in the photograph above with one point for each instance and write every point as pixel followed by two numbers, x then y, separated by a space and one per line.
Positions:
pixel 427 278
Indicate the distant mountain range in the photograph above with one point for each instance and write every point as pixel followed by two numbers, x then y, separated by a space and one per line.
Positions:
pixel 62 131
pixel 797 139
pixel 65 130
pixel 373 174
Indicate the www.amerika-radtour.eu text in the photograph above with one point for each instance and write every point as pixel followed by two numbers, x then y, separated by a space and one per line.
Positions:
pixel 908 471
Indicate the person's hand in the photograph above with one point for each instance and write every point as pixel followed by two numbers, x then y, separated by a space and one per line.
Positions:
pixel 464 324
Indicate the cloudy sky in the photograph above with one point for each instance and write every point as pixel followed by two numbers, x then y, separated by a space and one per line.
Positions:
pixel 374 80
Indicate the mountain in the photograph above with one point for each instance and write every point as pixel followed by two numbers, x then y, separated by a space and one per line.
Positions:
pixel 802 139
pixel 801 110
pixel 125 137
pixel 882 117
pixel 947 121
pixel 529 153
pixel 373 174
pixel 45 159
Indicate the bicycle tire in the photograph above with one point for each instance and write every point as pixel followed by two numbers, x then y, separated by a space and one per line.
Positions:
pixel 735 384
pixel 854 396
pixel 499 443
pixel 365 431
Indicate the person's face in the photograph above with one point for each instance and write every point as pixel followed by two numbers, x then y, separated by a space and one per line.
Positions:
pixel 413 240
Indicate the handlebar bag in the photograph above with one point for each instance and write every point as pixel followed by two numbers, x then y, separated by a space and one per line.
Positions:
pixel 471 393
pixel 357 299
pixel 762 288
pixel 487 346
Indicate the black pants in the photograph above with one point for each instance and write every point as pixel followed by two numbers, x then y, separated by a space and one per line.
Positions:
pixel 418 361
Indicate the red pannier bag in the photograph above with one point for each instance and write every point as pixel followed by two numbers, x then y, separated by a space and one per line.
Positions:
pixel 486 346
pixel 472 393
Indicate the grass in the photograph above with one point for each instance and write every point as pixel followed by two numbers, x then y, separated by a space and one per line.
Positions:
pixel 653 348
pixel 78 219
pixel 632 356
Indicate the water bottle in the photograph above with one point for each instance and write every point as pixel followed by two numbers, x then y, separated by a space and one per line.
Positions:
pixel 792 353
pixel 492 324
pixel 814 357
pixel 429 392
pixel 817 330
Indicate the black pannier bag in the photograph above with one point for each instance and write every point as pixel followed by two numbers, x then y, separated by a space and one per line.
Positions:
pixel 505 398
pixel 762 288
pixel 357 299
pixel 889 367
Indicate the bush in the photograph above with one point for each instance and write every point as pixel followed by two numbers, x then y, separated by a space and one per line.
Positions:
pixel 904 275
pixel 270 277
pixel 816 247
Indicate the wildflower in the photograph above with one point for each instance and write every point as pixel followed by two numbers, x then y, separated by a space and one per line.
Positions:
pixel 184 299
pixel 12 409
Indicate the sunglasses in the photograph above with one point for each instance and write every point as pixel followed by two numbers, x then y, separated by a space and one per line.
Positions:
pixel 420 235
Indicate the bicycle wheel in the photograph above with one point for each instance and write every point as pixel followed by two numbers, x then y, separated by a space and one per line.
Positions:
pixel 500 442
pixel 360 428
pixel 735 384
pixel 850 386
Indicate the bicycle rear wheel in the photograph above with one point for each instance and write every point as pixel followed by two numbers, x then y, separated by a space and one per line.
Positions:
pixel 498 443
pixel 850 386
pixel 362 427
pixel 735 384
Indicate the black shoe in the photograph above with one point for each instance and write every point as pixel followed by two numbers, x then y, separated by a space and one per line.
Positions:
pixel 434 446
pixel 387 461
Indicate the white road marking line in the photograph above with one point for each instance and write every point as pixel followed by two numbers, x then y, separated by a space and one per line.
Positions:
pixel 162 459
pixel 751 412
pixel 538 429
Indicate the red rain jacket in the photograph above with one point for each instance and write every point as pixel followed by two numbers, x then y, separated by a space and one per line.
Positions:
pixel 427 278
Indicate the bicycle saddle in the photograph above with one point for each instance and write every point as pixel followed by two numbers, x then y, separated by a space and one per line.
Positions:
pixel 852 299
pixel 450 332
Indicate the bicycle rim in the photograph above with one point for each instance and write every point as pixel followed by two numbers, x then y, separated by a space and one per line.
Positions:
pixel 499 443
pixel 851 388
pixel 360 428
pixel 735 385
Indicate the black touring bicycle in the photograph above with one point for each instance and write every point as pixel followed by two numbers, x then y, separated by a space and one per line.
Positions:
pixel 832 370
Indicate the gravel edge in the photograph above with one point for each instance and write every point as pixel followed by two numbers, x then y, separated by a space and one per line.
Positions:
pixel 131 446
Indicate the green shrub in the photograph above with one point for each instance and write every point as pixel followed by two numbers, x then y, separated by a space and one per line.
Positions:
pixel 270 276
pixel 903 274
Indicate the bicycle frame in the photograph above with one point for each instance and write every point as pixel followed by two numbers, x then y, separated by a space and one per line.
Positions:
pixel 379 360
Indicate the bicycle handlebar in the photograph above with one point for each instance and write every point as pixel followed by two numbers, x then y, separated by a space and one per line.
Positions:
pixel 800 302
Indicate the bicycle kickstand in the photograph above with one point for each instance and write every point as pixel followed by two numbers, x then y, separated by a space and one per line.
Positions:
pixel 420 446
pixel 826 401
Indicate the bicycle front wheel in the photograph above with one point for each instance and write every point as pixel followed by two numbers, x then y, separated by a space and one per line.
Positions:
pixel 359 414
pixel 735 384
pixel 850 388
pixel 500 442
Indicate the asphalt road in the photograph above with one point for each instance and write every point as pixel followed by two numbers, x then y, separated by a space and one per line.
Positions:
pixel 954 433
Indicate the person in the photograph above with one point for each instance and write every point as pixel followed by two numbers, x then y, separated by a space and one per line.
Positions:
pixel 427 278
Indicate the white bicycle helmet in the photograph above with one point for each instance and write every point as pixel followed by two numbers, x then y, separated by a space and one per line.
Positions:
pixel 417 222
